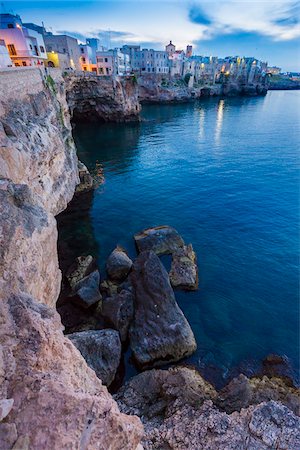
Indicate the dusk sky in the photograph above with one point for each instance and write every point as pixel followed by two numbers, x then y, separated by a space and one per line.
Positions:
pixel 268 30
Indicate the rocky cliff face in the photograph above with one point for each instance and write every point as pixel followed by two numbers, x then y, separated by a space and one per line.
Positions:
pixel 49 398
pixel 103 99
pixel 37 147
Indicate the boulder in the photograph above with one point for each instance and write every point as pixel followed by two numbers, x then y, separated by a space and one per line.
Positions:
pixel 159 332
pixel 82 266
pixel 184 270
pixel 119 311
pixel 101 350
pixel 86 180
pixel 87 291
pixel 161 240
pixel 118 265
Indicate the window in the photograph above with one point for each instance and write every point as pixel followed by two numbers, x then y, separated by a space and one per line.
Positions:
pixel 10 25
pixel 83 60
pixel 42 49
pixel 64 50
pixel 84 69
pixel 30 46
pixel 107 71
pixel 12 49
pixel 101 70
pixel 100 59
pixel 24 63
pixel 17 64
pixel 82 50
pixel 105 59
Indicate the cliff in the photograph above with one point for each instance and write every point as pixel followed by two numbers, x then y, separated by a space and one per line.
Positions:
pixel 49 398
pixel 102 99
pixel 282 82
pixel 37 147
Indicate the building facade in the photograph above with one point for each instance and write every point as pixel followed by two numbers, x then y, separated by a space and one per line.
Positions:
pixel 26 47
pixel 5 60
pixel 113 63
pixel 61 44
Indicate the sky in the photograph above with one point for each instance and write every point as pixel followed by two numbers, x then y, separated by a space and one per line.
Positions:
pixel 268 30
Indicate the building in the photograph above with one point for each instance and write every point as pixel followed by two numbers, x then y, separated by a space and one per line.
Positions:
pixel 113 63
pixel 170 48
pixel 177 59
pixel 95 47
pixel 5 60
pixel 189 51
pixel 26 47
pixel 274 70
pixel 86 58
pixel 61 44
pixel 148 60
pixel 203 69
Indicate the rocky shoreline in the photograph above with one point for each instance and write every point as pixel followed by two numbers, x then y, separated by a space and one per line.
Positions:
pixel 53 392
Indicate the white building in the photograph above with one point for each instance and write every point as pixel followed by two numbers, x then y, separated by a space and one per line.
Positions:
pixel 113 63
pixel 150 61
pixel 5 60
pixel 26 47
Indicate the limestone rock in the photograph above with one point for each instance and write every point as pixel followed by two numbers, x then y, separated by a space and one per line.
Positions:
pixel 58 400
pixel 86 180
pixel 37 146
pixel 184 270
pixel 156 394
pixel 82 266
pixel 119 311
pixel 159 332
pixel 118 265
pixel 86 291
pixel 102 99
pixel 6 405
pixel 161 240
pixel 28 236
pixel 101 350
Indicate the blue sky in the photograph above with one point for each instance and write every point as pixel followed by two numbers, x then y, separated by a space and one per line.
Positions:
pixel 269 30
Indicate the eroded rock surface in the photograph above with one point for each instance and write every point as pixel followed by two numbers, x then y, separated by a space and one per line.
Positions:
pixel 58 400
pixel 82 266
pixel 101 350
pixel 159 332
pixel 28 239
pixel 118 265
pixel 118 310
pixel 184 269
pixel 94 99
pixel 179 411
pixel 37 146
pixel 162 240
pixel 86 291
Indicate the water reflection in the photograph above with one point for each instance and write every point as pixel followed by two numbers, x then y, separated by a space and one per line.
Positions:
pixel 201 123
pixel 219 121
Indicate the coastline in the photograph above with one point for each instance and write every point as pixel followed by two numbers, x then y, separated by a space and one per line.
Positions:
pixel 29 301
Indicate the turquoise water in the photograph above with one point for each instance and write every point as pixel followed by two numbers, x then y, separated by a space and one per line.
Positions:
pixel 225 174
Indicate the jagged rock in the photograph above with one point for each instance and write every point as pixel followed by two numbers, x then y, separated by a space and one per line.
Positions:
pixel 37 146
pixel 118 265
pixel 86 180
pixel 108 288
pixel 161 240
pixel 86 291
pixel 28 237
pixel 184 270
pixel 82 266
pixel 101 350
pixel 155 394
pixel 159 332
pixel 58 400
pixel 178 411
pixel 277 366
pixel 119 311
pixel 6 405
pixel 102 99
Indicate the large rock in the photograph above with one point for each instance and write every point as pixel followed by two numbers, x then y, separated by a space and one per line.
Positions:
pixel 86 291
pixel 179 411
pixel 28 239
pixel 102 351
pixel 118 265
pixel 119 311
pixel 159 333
pixel 161 240
pixel 59 402
pixel 102 99
pixel 184 270
pixel 37 146
pixel 82 266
